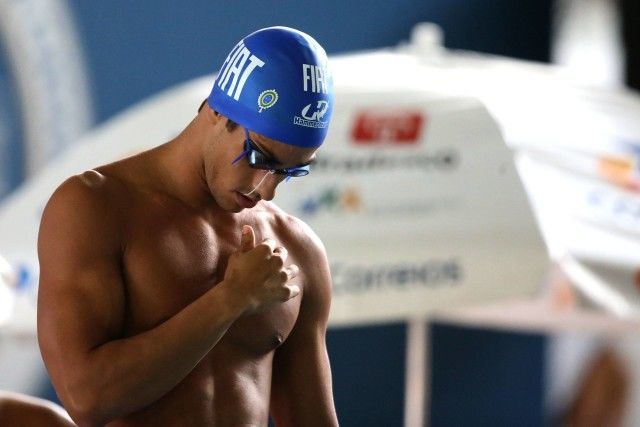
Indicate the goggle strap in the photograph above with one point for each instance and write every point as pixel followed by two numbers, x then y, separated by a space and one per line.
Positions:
pixel 260 183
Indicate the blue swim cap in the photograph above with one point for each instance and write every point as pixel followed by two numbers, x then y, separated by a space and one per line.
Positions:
pixel 276 82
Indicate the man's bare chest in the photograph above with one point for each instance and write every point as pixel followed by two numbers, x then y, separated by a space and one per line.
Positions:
pixel 173 259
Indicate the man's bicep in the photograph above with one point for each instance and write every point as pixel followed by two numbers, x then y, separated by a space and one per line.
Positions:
pixel 78 312
pixel 81 297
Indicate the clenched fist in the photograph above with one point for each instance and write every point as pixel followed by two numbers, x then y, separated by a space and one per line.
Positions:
pixel 256 275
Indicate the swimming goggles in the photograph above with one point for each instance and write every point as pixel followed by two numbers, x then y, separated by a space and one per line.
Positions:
pixel 258 159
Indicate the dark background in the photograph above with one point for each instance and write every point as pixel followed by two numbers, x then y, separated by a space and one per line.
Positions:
pixel 135 49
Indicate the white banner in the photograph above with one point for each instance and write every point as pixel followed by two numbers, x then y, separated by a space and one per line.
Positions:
pixel 589 212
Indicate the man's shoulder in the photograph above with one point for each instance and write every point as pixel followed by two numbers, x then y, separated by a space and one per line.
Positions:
pixel 88 189
pixel 296 232
pixel 108 181
pixel 90 181
pixel 81 222
pixel 89 197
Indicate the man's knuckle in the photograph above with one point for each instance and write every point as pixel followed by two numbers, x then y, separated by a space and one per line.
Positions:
pixel 277 261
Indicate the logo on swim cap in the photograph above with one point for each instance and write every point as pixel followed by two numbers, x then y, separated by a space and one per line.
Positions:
pixel 267 99
pixel 313 118
pixel 295 68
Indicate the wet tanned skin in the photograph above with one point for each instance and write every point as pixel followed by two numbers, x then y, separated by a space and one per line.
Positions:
pixel 154 310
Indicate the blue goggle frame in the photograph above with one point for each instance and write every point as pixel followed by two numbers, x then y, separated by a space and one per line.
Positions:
pixel 257 159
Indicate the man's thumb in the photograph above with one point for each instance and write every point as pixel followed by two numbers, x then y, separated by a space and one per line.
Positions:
pixel 248 238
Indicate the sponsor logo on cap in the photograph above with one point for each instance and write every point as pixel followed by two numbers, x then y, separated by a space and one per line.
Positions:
pixel 313 78
pixel 395 127
pixel 237 68
pixel 312 115
pixel 267 99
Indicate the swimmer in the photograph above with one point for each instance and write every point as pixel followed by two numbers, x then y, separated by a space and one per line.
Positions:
pixel 172 290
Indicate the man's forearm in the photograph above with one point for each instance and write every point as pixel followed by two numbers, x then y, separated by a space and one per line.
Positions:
pixel 122 376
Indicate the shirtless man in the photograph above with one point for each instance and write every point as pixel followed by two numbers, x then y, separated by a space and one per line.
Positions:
pixel 172 292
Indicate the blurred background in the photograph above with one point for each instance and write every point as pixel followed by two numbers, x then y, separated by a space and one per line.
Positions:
pixel 535 349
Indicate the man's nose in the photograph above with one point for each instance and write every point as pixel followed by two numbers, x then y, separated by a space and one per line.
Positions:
pixel 265 184
pixel 268 188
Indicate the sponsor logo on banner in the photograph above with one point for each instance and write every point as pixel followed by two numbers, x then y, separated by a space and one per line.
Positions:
pixel 622 170
pixel 332 199
pixel 394 127
pixel 350 201
pixel 22 278
pixel 26 282
pixel 446 159
pixel 358 279
pixel 617 210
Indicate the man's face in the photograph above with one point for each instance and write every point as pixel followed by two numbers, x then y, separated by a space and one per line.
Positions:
pixel 234 183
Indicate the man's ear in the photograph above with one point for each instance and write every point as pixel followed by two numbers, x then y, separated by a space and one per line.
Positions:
pixel 210 114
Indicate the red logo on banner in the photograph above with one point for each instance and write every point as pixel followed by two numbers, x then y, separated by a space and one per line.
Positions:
pixel 399 127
